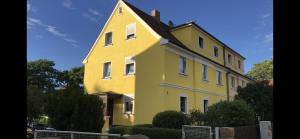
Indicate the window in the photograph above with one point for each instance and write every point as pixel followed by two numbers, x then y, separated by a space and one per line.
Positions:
pixel 182 65
pixel 183 104
pixel 130 65
pixel 229 58
pixel 108 38
pixel 130 31
pixel 216 53
pixel 205 104
pixel 106 70
pixel 128 106
pixel 239 64
pixel 204 72
pixel 219 77
pixel 201 42
pixel 243 83
pixel 232 82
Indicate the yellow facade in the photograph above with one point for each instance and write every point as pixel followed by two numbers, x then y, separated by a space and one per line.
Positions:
pixel 156 84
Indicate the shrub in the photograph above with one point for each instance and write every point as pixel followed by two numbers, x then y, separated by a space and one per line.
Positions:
pixel 196 117
pixel 233 113
pixel 121 130
pixel 152 133
pixel 170 119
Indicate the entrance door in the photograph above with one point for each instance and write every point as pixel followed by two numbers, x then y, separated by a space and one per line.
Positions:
pixel 110 109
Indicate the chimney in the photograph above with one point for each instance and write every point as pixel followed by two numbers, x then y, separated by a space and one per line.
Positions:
pixel 155 14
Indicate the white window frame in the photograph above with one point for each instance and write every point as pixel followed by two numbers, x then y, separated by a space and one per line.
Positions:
pixel 205 99
pixel 103 66
pixel 185 68
pixel 134 31
pixel 232 82
pixel 219 74
pixel 133 61
pixel 129 99
pixel 206 75
pixel 106 45
pixel 215 47
pixel 186 103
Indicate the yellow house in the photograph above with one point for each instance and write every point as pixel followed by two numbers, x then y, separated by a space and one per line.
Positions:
pixel 140 66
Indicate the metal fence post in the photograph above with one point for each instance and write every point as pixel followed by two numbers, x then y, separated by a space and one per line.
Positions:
pixel 217 132
pixel 183 135
pixel 72 135
pixel 34 134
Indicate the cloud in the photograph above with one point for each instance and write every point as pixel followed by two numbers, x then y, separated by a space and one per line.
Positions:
pixel 51 29
pixel 263 21
pixel 55 32
pixel 68 4
pixel 28 6
pixel 92 15
pixel 268 38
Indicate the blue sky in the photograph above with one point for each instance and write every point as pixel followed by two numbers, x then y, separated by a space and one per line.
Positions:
pixel 64 30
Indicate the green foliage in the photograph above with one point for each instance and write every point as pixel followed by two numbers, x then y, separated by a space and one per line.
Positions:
pixel 262 71
pixel 73 77
pixel 42 74
pixel 230 113
pixel 35 103
pixel 197 117
pixel 152 133
pixel 170 119
pixel 259 95
pixel 71 109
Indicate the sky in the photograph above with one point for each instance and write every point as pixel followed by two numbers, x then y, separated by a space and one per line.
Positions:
pixel 64 31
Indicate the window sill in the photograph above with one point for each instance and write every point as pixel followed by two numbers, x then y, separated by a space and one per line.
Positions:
pixel 205 80
pixel 129 74
pixel 127 39
pixel 183 74
pixel 220 85
pixel 107 45
pixel 106 78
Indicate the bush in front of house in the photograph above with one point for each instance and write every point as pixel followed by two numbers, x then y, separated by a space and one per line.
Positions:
pixel 230 113
pixel 196 117
pixel 170 119
pixel 151 132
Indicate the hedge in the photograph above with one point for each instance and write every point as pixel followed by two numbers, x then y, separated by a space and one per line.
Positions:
pixel 170 119
pixel 151 132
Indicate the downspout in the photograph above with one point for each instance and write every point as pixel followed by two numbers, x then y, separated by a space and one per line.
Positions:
pixel 194 86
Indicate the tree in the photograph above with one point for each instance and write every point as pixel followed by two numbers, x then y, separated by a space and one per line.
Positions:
pixel 73 77
pixel 35 103
pixel 230 113
pixel 42 74
pixel 259 95
pixel 262 71
pixel 71 109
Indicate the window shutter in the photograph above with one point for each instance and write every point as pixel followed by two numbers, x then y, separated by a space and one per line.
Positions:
pixel 130 30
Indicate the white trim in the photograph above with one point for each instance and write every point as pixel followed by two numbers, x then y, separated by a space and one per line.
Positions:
pixel 126 58
pixel 103 70
pixel 121 3
pixel 186 103
pixel 104 27
pixel 134 23
pixel 191 89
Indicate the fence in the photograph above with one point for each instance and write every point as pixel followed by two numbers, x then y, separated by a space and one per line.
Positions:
pixel 247 132
pixel 196 132
pixel 46 134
